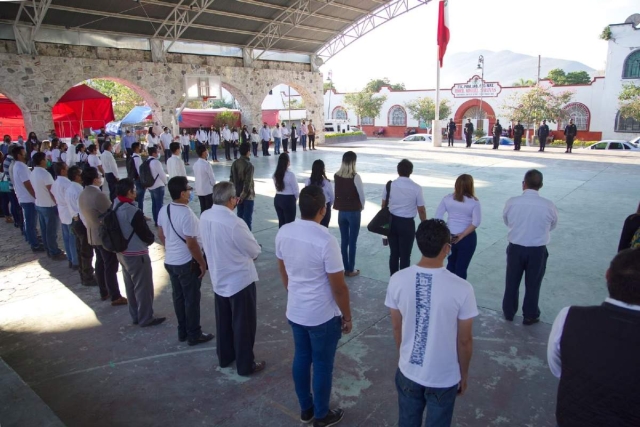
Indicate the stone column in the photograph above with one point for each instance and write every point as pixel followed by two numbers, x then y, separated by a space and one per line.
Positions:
pixel 38 121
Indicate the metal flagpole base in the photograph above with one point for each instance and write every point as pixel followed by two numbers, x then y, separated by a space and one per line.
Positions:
pixel 436 134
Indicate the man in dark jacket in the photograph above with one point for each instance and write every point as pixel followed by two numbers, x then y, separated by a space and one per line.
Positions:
pixel 518 131
pixel 595 352
pixel 543 134
pixel 242 177
pixel 451 129
pixel 468 132
pixel 497 133
pixel 570 132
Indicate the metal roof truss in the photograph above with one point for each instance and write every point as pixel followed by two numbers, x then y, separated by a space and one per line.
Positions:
pixel 26 33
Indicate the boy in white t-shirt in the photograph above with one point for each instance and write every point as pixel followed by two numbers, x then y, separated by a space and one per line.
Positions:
pixel 432 313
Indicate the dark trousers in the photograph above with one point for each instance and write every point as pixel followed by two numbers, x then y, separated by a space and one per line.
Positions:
pixel 245 211
pixel 235 150
pixel 111 182
pixel 85 253
pixel 469 136
pixel 496 142
pixel 140 190
pixel 265 148
pixel 402 233
pixel 157 199
pixel 107 273
pixel 186 299
pixel 185 153
pixel 450 138
pixel 138 283
pixel 285 144
pixel 285 208
pixel 167 154
pixel 129 152
pixel 517 141
pixel 227 150
pixel 294 142
pixel 532 262
pixel 236 324
pixel 312 142
pixel 327 217
pixel 569 143
pixel 543 143
pixel 461 254
pixel 205 202
pixel 15 211
pixel 254 148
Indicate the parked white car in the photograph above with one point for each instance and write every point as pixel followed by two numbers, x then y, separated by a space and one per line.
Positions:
pixel 417 137
pixel 614 145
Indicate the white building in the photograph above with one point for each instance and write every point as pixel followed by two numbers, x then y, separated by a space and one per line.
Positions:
pixel 594 106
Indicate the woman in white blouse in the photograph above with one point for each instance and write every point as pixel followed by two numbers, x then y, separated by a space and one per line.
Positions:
pixel 319 178
pixel 152 139
pixel 463 217
pixel 287 191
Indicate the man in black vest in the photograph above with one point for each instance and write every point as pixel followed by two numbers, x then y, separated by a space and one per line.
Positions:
pixel 451 129
pixel 497 133
pixel 570 131
pixel 468 132
pixel 595 352
pixel 518 131
pixel 543 133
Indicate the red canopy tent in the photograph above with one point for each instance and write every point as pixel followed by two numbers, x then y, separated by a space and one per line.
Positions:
pixel 191 118
pixel 81 107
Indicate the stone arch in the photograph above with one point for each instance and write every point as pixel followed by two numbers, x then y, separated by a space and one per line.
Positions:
pixel 459 116
pixel 246 107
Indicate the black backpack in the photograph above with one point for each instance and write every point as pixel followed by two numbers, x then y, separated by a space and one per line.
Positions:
pixel 146 178
pixel 132 172
pixel 110 232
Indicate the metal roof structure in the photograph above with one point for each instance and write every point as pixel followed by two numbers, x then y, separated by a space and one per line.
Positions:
pixel 313 28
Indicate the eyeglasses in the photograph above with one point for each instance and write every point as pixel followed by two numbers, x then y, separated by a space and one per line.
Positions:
pixel 188 188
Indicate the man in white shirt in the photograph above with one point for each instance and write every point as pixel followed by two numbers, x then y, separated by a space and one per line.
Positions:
pixel 318 307
pixel 227 141
pixel 214 142
pixel 158 187
pixel 84 249
pixel 265 137
pixel 175 164
pixel 72 157
pixel 185 141
pixel 59 188
pixel 205 179
pixel 179 232
pixel 42 181
pixel 86 141
pixel 277 138
pixel 110 168
pixel 26 197
pixel 432 313
pixel 135 174
pixel 165 141
pixel 201 136
pixel 595 351
pixel 231 248
pixel 285 137
pixel 530 219
pixel 405 202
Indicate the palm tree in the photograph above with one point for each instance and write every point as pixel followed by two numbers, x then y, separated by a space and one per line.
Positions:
pixel 523 82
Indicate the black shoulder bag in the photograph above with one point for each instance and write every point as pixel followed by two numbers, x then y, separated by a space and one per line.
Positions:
pixel 195 267
pixel 380 223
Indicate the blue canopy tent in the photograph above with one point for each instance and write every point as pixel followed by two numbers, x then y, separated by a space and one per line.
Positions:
pixel 136 115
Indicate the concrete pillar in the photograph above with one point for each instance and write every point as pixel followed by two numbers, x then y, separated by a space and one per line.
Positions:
pixel 38 121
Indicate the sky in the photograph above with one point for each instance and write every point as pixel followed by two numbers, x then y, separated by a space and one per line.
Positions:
pixel 404 49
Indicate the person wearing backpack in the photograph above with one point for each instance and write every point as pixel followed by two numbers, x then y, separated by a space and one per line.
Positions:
pixel 93 203
pixel 154 179
pixel 133 172
pixel 135 261
pixel 630 236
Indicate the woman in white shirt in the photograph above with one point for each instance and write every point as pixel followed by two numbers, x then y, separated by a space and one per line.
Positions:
pixel 55 151
pixel 185 141
pixel 287 191
pixel 234 141
pixel 319 178
pixel 463 217
pixel 152 139
pixel 255 139
pixel 81 155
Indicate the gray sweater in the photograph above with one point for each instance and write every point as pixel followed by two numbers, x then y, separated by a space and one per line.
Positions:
pixel 131 218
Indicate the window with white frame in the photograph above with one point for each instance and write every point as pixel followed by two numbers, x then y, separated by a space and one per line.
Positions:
pixel 580 115
pixel 367 121
pixel 340 113
pixel 397 116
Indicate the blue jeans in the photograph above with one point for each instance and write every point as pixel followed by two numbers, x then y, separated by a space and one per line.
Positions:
pixel 413 397
pixel 70 244
pixel 157 198
pixel 30 218
pixel 140 190
pixel 461 254
pixel 349 223
pixel 276 142
pixel 245 211
pixel 49 223
pixel 315 345
pixel 186 299
pixel 303 141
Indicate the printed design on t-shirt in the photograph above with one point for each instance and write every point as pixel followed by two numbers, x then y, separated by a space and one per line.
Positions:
pixel 423 311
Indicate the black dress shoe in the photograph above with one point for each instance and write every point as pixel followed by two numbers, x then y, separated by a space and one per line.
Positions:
pixel 202 338
pixel 507 318
pixel 528 322
pixel 155 321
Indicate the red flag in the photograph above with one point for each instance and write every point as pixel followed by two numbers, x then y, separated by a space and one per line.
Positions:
pixel 443 29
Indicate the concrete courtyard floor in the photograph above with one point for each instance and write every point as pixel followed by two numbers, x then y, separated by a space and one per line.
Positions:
pixel 92 367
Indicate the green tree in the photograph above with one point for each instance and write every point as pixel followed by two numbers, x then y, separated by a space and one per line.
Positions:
pixel 364 103
pixel 630 101
pixel 123 98
pixel 536 104
pixel 221 103
pixel 559 77
pixel 523 82
pixel 606 33
pixel 424 109
pixel 294 104
pixel 375 85
pixel 328 86
pixel 226 118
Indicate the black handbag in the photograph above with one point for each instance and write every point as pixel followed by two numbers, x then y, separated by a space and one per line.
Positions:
pixel 195 267
pixel 380 223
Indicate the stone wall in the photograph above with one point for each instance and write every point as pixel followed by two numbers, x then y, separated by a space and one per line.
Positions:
pixel 36 83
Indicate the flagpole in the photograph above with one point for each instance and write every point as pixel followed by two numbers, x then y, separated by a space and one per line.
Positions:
pixel 437 134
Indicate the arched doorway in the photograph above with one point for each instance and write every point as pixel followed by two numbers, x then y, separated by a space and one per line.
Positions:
pixel 11 119
pixel 479 112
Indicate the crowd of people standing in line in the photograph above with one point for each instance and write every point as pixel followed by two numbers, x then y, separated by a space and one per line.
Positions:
pixel 433 363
